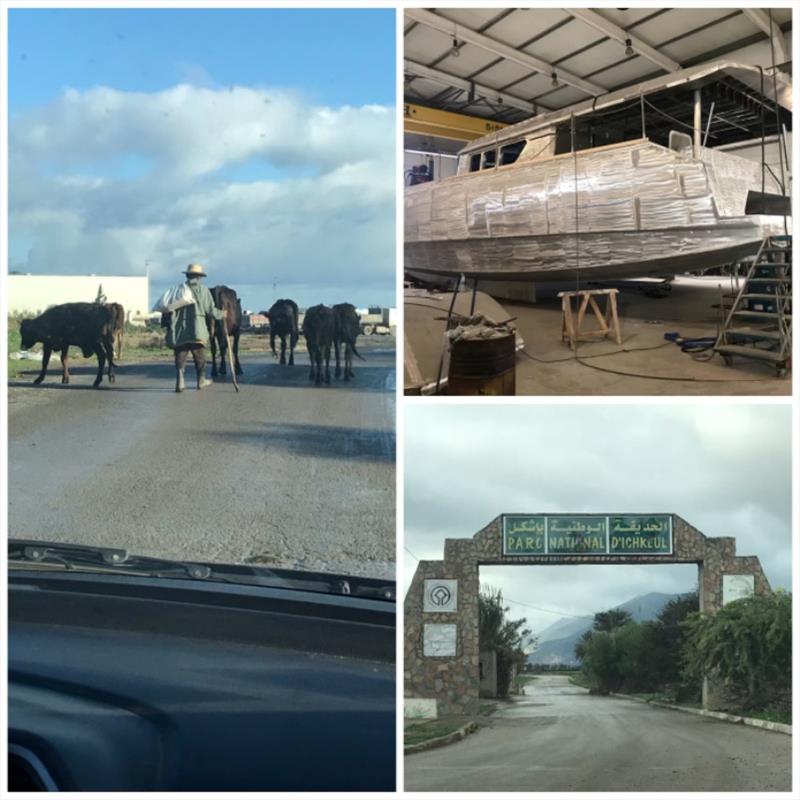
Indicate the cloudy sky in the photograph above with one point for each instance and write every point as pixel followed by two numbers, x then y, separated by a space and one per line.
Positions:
pixel 257 142
pixel 725 469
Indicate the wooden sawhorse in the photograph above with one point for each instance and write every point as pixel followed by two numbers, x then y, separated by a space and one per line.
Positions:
pixel 571 323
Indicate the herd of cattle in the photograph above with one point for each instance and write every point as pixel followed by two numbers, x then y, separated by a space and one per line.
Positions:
pixel 97 328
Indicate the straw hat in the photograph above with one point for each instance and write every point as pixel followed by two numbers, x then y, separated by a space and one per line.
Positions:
pixel 194 271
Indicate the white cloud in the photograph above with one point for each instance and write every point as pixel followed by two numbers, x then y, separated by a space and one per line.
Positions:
pixel 726 470
pixel 101 180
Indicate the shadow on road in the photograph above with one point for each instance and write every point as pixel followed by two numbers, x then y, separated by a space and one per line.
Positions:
pixel 256 374
pixel 367 379
pixel 319 441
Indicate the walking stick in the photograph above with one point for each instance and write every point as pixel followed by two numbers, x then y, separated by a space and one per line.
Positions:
pixel 230 360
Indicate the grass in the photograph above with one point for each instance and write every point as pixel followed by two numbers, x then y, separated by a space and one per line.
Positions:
pixel 419 732
pixel 16 367
pixel 770 715
pixel 523 679
pixel 425 730
pixel 578 679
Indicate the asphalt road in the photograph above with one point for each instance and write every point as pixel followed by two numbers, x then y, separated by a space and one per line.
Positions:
pixel 560 738
pixel 283 473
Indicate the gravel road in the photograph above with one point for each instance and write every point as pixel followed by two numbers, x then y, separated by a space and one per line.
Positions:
pixel 284 473
pixel 560 738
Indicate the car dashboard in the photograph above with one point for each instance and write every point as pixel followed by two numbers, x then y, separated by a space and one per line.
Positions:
pixel 123 683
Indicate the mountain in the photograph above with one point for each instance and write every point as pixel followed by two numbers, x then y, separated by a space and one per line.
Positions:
pixel 557 641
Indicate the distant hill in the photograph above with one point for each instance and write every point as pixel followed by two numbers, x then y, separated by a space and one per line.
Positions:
pixel 557 641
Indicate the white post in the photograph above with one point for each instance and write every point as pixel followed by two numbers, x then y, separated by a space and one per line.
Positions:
pixel 697 122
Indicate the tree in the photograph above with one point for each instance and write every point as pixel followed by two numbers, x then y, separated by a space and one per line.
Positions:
pixel 508 638
pixel 748 644
pixel 611 620
pixel 668 644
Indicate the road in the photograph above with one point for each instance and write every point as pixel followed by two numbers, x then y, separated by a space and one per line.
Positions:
pixel 560 738
pixel 284 473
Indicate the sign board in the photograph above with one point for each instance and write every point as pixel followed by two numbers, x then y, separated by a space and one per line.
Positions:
pixel 586 534
pixel 441 596
pixel 735 587
pixel 439 640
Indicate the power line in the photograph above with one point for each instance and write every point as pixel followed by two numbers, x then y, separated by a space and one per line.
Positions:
pixel 526 605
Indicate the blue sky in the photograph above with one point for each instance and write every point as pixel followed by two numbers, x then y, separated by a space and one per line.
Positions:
pixel 259 142
pixel 337 56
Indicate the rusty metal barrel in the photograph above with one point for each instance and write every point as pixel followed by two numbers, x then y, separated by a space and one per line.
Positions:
pixel 483 367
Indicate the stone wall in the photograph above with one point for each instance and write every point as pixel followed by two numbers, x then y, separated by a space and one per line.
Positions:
pixel 454 680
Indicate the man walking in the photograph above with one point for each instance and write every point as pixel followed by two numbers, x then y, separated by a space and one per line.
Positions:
pixel 187 328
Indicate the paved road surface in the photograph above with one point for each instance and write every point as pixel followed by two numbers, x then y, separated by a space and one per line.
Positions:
pixel 283 473
pixel 560 738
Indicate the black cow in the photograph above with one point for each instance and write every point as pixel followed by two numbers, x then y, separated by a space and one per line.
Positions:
pixel 318 330
pixel 227 300
pixel 118 326
pixel 283 317
pixel 346 327
pixel 89 326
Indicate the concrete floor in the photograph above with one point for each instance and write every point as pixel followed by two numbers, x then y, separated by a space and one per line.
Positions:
pixel 689 309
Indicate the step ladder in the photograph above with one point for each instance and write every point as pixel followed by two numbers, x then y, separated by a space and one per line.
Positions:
pixel 759 323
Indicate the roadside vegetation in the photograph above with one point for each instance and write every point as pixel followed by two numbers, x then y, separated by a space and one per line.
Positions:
pixel 419 732
pixel 15 366
pixel 747 644
pixel 506 637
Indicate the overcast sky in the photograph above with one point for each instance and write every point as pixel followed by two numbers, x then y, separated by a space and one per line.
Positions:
pixel 725 469
pixel 259 143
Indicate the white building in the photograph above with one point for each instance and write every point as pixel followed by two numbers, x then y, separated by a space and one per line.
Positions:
pixel 32 294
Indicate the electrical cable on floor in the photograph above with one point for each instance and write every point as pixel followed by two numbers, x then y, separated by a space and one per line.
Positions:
pixel 598 355
pixel 672 378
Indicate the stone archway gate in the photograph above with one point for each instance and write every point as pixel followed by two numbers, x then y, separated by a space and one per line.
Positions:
pixel 441 653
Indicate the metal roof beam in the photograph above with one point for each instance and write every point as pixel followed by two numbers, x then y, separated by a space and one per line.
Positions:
pixel 484 42
pixel 438 76
pixel 600 23
pixel 762 19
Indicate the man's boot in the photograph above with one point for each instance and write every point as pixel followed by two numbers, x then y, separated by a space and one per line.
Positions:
pixel 202 381
pixel 180 384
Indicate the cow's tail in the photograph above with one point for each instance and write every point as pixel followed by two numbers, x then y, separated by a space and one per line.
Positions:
pixel 353 345
pixel 109 335
pixel 108 342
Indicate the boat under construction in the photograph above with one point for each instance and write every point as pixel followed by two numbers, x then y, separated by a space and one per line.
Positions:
pixel 641 181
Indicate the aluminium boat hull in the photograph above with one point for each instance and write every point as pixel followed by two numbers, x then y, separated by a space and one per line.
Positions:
pixel 622 211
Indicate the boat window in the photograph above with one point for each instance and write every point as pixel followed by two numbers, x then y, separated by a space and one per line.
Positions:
pixel 510 153
pixel 475 162
pixel 680 142
pixel 489 159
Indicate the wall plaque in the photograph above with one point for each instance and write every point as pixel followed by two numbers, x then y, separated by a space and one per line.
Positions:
pixel 439 640
pixel 735 587
pixel 441 595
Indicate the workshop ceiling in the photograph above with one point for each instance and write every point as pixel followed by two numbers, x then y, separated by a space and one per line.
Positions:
pixel 508 64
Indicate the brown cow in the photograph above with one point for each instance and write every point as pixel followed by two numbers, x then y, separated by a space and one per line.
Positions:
pixel 318 330
pixel 346 327
pixel 118 316
pixel 227 300
pixel 283 316
pixel 86 325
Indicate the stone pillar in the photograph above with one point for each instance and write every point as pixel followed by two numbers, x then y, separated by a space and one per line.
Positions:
pixel 451 680
pixel 720 560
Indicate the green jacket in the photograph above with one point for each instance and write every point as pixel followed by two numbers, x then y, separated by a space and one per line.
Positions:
pixel 187 325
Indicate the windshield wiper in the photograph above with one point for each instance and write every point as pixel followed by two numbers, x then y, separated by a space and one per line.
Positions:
pixel 106 559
